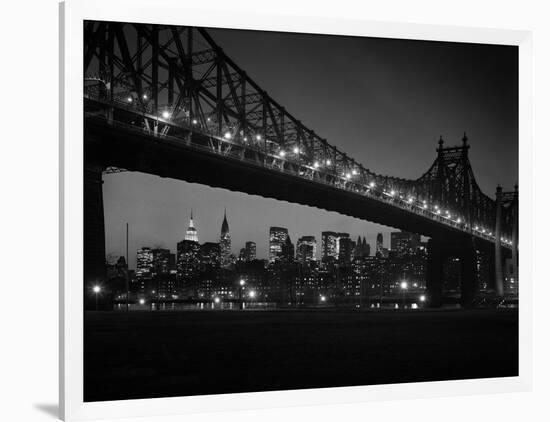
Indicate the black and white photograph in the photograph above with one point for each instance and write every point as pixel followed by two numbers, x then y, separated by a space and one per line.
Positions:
pixel 268 211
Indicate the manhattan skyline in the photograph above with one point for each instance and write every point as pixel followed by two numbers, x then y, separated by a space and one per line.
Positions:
pixel 163 233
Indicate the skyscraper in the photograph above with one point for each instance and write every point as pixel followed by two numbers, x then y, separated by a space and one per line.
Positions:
pixel 329 245
pixel 277 238
pixel 306 249
pixel 210 255
pixel 250 251
pixel 192 233
pixel 366 247
pixel 346 248
pixel 160 261
pixel 404 242
pixel 225 242
pixel 341 236
pixel 359 248
pixel 144 262
pixel 379 244
pixel 288 250
pixel 188 261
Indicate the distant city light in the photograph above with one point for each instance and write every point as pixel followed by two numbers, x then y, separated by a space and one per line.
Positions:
pixel 348 176
pixel 216 300
pixel 372 184
pixel 354 172
pixel 404 285
pixel 208 119
pixel 323 298
pixel 144 96
pixel 242 282
pixel 328 162
pixel 194 121
pixel 142 301
pixel 165 114
pixel 130 99
pixel 227 135
pixel 422 298
pixel 459 221
pixel 296 150
pixel 282 153
pixel 316 164
pixel 392 192
pixel 258 137
pixel 252 294
pixel 97 289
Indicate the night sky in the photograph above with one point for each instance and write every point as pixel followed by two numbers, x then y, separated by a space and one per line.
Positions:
pixel 384 102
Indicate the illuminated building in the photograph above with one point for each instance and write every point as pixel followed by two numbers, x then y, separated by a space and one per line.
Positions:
pixel 329 245
pixel 144 262
pixel 306 249
pixel 250 251
pixel 277 238
pixel 192 233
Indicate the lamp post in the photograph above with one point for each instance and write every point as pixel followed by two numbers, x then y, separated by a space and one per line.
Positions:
pixel 251 295
pixel 241 288
pixel 404 286
pixel 96 290
pixel 422 298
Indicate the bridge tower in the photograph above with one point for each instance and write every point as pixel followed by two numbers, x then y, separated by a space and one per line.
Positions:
pixel 439 250
pixel 499 277
pixel 515 215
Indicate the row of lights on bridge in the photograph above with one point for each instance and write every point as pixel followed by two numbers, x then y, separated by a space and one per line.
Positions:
pixel 346 175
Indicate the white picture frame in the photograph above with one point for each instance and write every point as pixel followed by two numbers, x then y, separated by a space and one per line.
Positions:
pixel 72 15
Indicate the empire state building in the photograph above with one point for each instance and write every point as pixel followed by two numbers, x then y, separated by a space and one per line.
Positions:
pixel 192 233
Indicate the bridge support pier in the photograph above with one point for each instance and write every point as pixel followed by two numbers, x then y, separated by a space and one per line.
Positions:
pixel 94 234
pixel 438 252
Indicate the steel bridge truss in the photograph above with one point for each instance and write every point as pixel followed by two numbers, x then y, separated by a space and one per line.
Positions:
pixel 176 82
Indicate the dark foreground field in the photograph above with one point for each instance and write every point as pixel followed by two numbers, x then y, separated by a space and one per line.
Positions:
pixel 162 354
